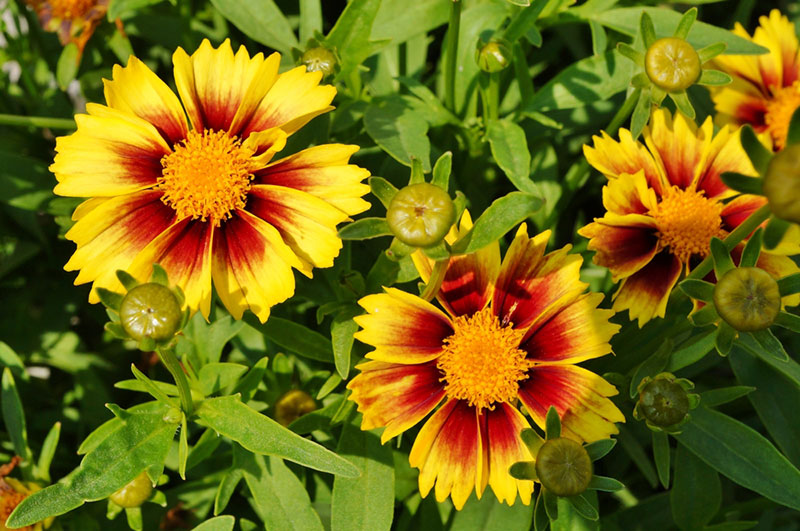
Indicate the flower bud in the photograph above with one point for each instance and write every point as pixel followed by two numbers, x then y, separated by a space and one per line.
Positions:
pixel 663 402
pixel 493 57
pixel 135 493
pixel 782 183
pixel 319 59
pixel 672 64
pixel 421 214
pixel 747 298
pixel 563 467
pixel 150 311
pixel 293 405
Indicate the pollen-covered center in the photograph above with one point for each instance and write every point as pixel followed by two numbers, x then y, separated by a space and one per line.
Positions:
pixel 70 9
pixel 686 222
pixel 482 362
pixel 206 177
pixel 779 112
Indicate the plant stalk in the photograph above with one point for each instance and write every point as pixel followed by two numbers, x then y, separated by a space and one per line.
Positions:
pixel 170 361
pixel 452 55
pixel 37 121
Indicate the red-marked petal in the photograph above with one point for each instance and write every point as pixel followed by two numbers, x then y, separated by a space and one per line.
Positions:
pixel 503 444
pixel 677 145
pixel 623 244
pixel 645 293
pixel 628 156
pixel 402 327
pixel 629 194
pixel 739 209
pixel 724 154
pixel 395 396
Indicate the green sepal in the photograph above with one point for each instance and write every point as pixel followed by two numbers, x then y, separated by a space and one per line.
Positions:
pixel 711 51
pixel 714 78
pixel 437 252
pixel 605 484
pixel 758 154
pixel 793 137
pixel 540 520
pixel 442 169
pixel 721 256
pixel 525 470
pixel 134 516
pixel 397 250
pixel 382 189
pixel 647 29
pixel 417 171
pixel 126 279
pixel 112 510
pixel 152 388
pixel 685 24
pixel 657 95
pixel 116 330
pixel 682 103
pixel 583 507
pixel 531 440
pixel 599 449
pixel 179 295
pixel 158 497
pixel 723 395
pixel 771 344
pixel 789 321
pixel 773 233
pixel 752 249
pixel 552 424
pixel 641 81
pixel 694 400
pixel 705 316
pixel 698 289
pixel 632 53
pixel 109 298
pixel 550 504
pixel 641 113
pixel 147 344
pixel 742 183
pixel 159 275
pixel 724 338
pixel 114 316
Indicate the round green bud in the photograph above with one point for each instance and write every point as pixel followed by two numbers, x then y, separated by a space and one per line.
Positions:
pixel 493 57
pixel 135 493
pixel 663 402
pixel 421 214
pixel 292 405
pixel 747 298
pixel 781 183
pixel 563 467
pixel 319 59
pixel 672 64
pixel 150 310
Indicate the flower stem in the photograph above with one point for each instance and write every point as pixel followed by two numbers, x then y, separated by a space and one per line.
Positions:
pixel 37 121
pixel 452 55
pixel 170 361
pixel 623 113
pixel 435 281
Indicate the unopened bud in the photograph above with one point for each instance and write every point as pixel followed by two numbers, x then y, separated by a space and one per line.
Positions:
pixel 421 214
pixel 747 298
pixel 672 64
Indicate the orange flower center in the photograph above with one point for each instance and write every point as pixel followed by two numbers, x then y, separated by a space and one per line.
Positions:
pixel 206 177
pixel 686 222
pixel 482 362
pixel 779 112
pixel 9 499
pixel 70 9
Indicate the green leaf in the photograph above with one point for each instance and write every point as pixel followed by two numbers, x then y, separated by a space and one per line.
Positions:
pixel 249 384
pixel 487 514
pixel 261 20
pixel 717 397
pixel 571 519
pixel 226 488
pixel 651 366
pixel 183 447
pixel 540 519
pixel 310 19
pixel 583 507
pixel 94 439
pixel 343 328
pixel 140 442
pixel 278 496
pixel 641 113
pixel 789 368
pixel 68 63
pixel 152 388
pixel 731 526
pixel 219 523
pixel 626 20
pixel 599 37
pixel 14 418
pixel 698 289
pixel 399 129
pixel 774 397
pixel 203 448
pixel 647 29
pixel 661 456
pixel 365 229
pixel 209 340
pixel 758 153
pixel 365 502
pixel 789 321
pixel 742 183
pixel 350 36
pixel 294 337
pixel 771 344
pixel 397 22
pixel 599 449
pixel 428 104
pixel 501 216
pixel 48 451
pixel 637 455
pixel 510 151
pixel 119 8
pixel 9 359
pixel 214 377
pixel 260 434
pixel 697 493
pixel 589 80
pixel 691 351
pixel 383 190
pixel 743 455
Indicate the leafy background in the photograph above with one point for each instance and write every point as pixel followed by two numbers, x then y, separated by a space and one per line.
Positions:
pixel 735 466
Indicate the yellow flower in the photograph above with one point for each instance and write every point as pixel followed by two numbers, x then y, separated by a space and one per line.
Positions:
pixel 766 88
pixel 73 20
pixel 510 334
pixel 664 203
pixel 206 202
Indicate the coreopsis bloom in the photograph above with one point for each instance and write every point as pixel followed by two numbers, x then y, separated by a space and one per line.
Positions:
pixel 509 334
pixel 766 88
pixel 664 203
pixel 203 198
pixel 12 492
pixel 73 20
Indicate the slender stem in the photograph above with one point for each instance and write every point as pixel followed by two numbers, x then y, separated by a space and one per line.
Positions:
pixel 172 364
pixel 435 281
pixel 452 56
pixel 489 90
pixel 37 121
pixel 734 238
pixel 623 113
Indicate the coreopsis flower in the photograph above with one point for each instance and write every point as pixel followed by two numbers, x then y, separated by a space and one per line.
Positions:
pixel 12 492
pixel 73 20
pixel 664 203
pixel 510 334
pixel 765 90
pixel 203 198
